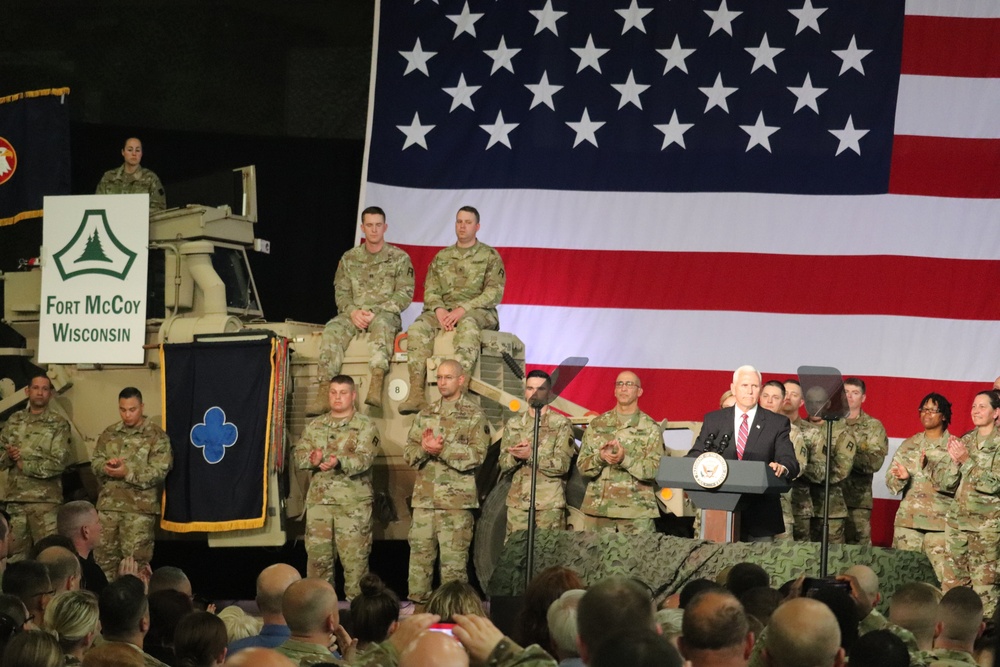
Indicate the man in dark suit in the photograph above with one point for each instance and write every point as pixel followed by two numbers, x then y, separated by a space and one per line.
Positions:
pixel 751 433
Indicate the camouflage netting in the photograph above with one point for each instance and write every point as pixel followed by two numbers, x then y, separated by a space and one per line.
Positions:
pixel 666 563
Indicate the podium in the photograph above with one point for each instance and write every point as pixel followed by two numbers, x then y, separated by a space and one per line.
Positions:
pixel 721 505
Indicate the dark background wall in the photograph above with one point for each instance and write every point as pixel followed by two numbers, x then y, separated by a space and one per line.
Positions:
pixel 208 86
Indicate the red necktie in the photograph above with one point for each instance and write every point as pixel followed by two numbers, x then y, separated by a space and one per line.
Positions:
pixel 741 439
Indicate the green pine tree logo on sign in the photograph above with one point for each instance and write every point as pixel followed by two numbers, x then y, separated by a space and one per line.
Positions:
pixel 96 248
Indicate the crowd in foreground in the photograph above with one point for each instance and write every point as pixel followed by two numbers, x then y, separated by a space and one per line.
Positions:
pixel 144 618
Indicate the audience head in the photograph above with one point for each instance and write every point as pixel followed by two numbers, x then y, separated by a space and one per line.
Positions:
pixel 310 607
pixel 868 581
pixel 259 657
pixel 670 622
pixel 744 576
pixel 13 618
pixel 544 589
pixel 914 607
pixel 641 648
pixel 78 522
pixel 73 619
pixel 434 649
pixel 63 566
pixel 166 608
pixel 113 654
pixel 455 597
pixel 124 609
pixel 727 400
pixel 29 580
pixel 374 613
pixel 694 587
pixel 880 648
pixel 714 622
pixel 272 583
pixel 960 617
pixel 803 631
pixel 34 648
pixel 54 540
pixel 760 602
pixel 561 621
pixel 239 624
pixel 172 578
pixel 200 640
pixel 612 607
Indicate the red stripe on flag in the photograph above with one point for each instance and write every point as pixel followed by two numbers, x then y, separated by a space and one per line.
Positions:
pixel 949 46
pixel 883 520
pixel 662 281
pixel 687 395
pixel 945 167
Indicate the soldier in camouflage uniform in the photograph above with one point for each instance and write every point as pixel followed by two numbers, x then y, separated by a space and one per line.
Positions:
pixel 803 434
pixel 446 444
pixel 871 446
pixel 772 397
pixel 132 179
pixel 463 288
pixel 972 529
pixel 555 454
pixel 841 464
pixel 34 449
pixel 339 447
pixel 620 454
pixel 960 623
pixel 373 285
pixel 131 460
pixel 920 519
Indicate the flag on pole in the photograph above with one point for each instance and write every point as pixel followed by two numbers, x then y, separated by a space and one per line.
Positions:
pixel 218 407
pixel 682 188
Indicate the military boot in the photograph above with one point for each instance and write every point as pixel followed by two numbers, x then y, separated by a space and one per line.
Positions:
pixel 374 397
pixel 319 399
pixel 417 399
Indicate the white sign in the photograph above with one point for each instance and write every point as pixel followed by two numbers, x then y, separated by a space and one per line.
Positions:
pixel 94 258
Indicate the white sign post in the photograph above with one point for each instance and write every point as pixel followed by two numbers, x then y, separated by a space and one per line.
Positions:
pixel 94 259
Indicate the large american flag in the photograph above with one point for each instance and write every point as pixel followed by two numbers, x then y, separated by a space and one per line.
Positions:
pixel 683 187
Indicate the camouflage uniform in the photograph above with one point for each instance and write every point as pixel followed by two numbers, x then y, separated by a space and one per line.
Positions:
pixel 128 507
pixel 871 448
pixel 306 654
pixel 505 654
pixel 840 469
pixel 555 453
pixel 621 497
pixel 444 491
pixel 920 519
pixel 802 456
pixel 471 278
pixel 800 497
pixel 34 491
pixel 142 181
pixel 339 502
pixel 381 282
pixel 972 528
pixel 946 657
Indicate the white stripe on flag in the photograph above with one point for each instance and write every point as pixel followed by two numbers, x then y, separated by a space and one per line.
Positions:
pixel 942 106
pixel 974 9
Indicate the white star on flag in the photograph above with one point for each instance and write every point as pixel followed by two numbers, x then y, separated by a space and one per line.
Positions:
pixel 417 59
pixel 808 17
pixel 547 18
pixel 850 137
pixel 464 22
pixel 852 56
pixel 461 94
pixel 717 94
pixel 633 17
pixel 502 57
pixel 415 132
pixel 675 56
pixel 759 133
pixel 806 95
pixel 763 55
pixel 585 129
pixel 542 92
pixel 589 55
pixel 673 132
pixel 722 19
pixel 630 91
pixel 499 131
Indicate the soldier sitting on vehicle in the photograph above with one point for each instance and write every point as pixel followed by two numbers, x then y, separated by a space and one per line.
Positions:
pixel 133 179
